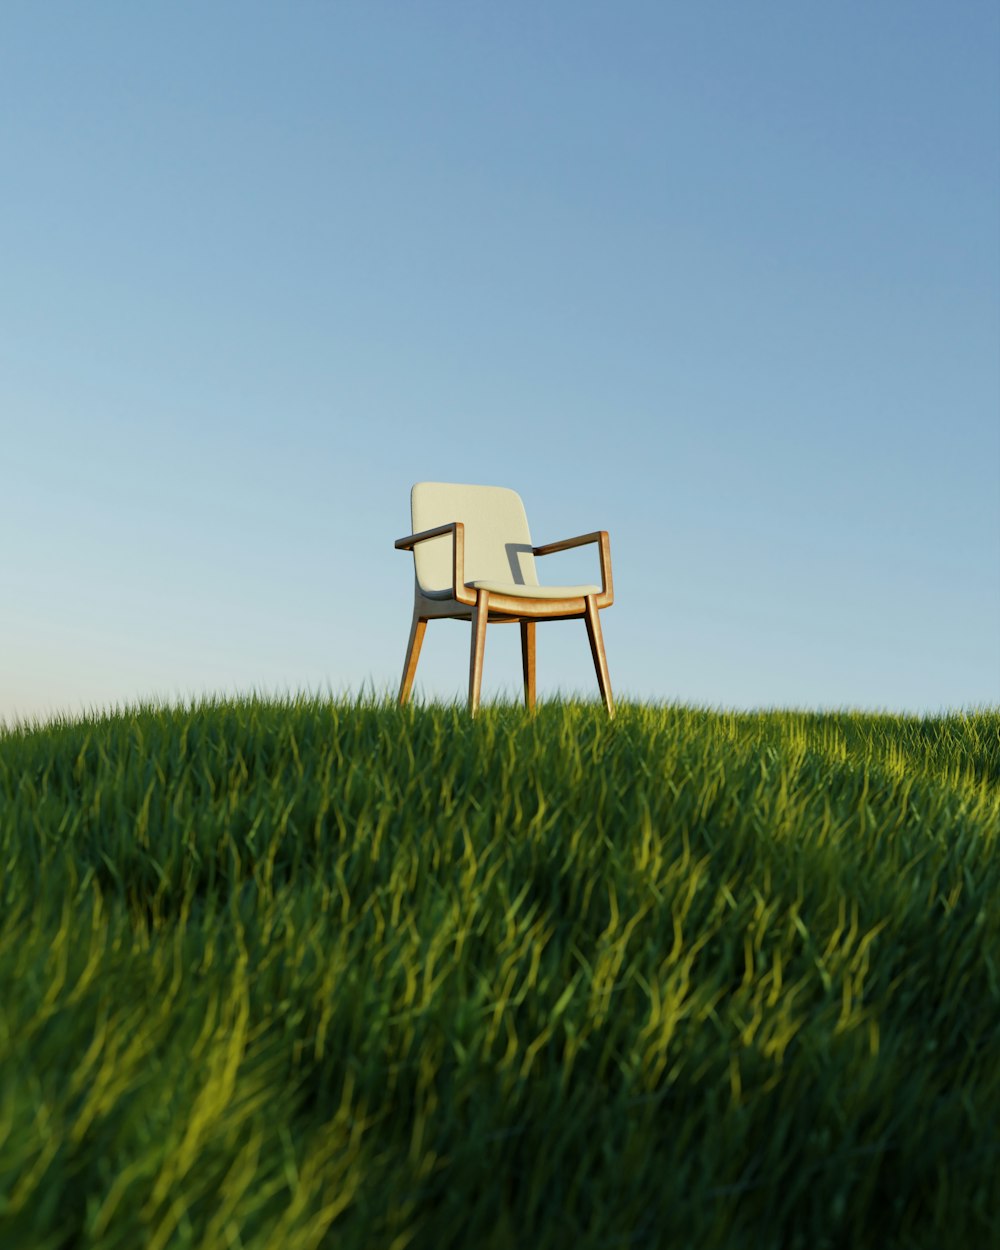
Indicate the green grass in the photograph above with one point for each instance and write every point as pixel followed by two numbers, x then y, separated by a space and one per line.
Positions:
pixel 320 974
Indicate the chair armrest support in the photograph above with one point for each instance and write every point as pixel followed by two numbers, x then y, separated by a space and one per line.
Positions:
pixel 564 544
pixel 607 596
pixel 456 528
pixel 411 540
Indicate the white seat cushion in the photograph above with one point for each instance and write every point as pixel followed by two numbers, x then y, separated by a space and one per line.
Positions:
pixel 497 538
pixel 498 551
pixel 536 592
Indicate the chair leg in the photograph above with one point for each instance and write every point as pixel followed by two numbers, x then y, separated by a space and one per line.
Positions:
pixel 528 662
pixel 480 615
pixel 597 651
pixel 417 630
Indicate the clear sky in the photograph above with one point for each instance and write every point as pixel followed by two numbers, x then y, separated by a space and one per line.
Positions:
pixel 722 279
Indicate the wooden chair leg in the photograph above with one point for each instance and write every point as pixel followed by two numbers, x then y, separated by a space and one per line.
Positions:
pixel 417 630
pixel 528 662
pixel 597 651
pixel 480 615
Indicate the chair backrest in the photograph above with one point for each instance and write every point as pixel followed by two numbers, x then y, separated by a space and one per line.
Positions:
pixel 497 540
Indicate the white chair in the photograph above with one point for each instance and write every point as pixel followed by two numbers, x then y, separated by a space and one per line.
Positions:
pixel 473 560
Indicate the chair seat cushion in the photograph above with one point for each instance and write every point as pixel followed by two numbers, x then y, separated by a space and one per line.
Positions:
pixel 536 592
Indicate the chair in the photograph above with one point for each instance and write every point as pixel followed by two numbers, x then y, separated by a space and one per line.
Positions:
pixel 474 561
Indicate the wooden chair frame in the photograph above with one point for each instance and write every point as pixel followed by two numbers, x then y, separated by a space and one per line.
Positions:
pixel 488 605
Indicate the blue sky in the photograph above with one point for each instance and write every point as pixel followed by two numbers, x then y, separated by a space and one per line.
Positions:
pixel 721 279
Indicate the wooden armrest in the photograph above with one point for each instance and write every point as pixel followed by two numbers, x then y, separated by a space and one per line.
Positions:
pixel 459 589
pixel 607 597
pixel 411 540
pixel 565 544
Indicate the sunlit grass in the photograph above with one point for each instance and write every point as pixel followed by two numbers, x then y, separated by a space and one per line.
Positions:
pixel 312 973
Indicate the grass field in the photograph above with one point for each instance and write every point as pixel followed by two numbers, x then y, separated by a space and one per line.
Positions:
pixel 319 974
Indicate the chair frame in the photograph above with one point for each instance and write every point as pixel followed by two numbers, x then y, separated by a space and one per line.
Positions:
pixel 489 605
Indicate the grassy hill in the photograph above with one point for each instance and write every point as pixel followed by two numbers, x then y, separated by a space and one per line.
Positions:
pixel 304 974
